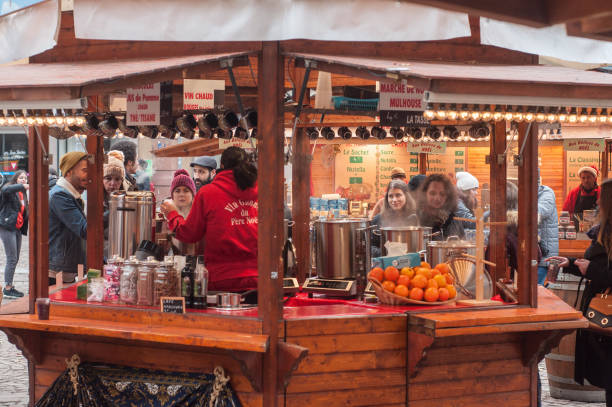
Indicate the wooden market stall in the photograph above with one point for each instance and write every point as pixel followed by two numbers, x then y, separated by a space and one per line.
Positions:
pixel 306 351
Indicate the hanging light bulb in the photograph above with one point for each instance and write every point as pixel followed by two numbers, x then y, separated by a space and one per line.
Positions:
pixel 452 113
pixel 11 121
pixel 540 115
pixel 552 117
pixel 530 115
pixel 508 114
pixel 583 115
pixel 476 114
pixel 497 114
pixel 573 116
pixel 603 115
pixel 39 119
pixel 593 116
pixel 487 115
pixel 441 113
pixel 2 118
pixel 30 120
pixel 562 116
pixel 518 115
pixel 464 114
pixel 429 113
pixel 49 119
pixel 19 118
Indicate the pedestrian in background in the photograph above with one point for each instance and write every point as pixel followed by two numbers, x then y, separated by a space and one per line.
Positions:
pixel 130 162
pixel 13 225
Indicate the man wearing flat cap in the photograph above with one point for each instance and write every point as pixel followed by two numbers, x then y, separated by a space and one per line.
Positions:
pixel 67 222
pixel 204 169
pixel 585 195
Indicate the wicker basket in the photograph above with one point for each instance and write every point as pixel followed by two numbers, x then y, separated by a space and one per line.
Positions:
pixel 387 297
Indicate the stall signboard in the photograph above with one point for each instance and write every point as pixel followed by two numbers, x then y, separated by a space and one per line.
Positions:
pixel 584 144
pixel 143 105
pixel 356 172
pixel 391 156
pixel 237 142
pixel 428 147
pixel 203 94
pixel 173 305
pixel 449 163
pixel 575 161
pixel 401 105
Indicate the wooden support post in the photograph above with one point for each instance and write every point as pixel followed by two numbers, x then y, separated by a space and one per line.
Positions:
pixel 604 160
pixel 270 231
pixel 498 168
pixel 39 213
pixel 95 198
pixel 528 216
pixel 423 163
pixel 301 203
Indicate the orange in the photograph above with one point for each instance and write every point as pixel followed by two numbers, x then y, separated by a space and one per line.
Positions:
pixel 449 279
pixel 424 271
pixel 443 294
pixel 431 294
pixel 441 280
pixel 452 291
pixel 407 271
pixel 416 294
pixel 403 280
pixel 426 265
pixel 435 272
pixel 391 273
pixel 432 283
pixel 401 290
pixel 419 281
pixel 377 274
pixel 443 267
pixel 388 285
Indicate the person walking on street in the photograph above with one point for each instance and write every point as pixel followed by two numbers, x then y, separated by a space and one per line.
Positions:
pixel 67 221
pixel 13 225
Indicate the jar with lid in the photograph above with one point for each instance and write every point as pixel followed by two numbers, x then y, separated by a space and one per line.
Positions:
pixel 570 232
pixel 564 218
pixel 200 284
pixel 561 232
pixel 165 281
pixel 128 282
pixel 112 274
pixel 144 287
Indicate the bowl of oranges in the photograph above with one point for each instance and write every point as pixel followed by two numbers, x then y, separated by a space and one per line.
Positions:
pixel 414 285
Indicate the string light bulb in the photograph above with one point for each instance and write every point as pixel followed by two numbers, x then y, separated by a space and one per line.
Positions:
pixel 429 112
pixel 487 115
pixel 603 115
pixel 573 116
pixel 551 117
pixel 583 115
pixel 497 114
pixel 593 116
pixel 476 114
pixel 452 113
pixel 508 114
pixel 518 116
pixel 562 116
pixel 464 114
pixel 441 112
pixel 540 115
pixel 530 115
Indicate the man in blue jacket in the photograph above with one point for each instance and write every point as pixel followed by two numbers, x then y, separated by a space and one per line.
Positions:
pixel 67 222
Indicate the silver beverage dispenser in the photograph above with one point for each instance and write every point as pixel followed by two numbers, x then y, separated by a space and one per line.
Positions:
pixel 130 221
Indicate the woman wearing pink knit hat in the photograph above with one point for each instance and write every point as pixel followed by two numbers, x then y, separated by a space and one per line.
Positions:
pixel 182 191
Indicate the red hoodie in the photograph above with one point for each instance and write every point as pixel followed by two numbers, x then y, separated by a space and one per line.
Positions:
pixel 227 218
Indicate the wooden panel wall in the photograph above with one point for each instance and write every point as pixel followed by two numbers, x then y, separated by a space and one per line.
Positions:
pixel 323 170
pixel 472 371
pixel 552 170
pixel 476 164
pixel 351 361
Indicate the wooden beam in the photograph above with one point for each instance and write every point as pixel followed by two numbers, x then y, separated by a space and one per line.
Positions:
pixel 301 204
pixel 498 168
pixel 528 216
pixel 39 214
pixel 95 198
pixel 562 11
pixel 597 30
pixel 423 163
pixel 270 183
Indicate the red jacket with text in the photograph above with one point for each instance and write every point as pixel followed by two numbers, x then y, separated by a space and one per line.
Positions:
pixel 226 217
pixel 572 197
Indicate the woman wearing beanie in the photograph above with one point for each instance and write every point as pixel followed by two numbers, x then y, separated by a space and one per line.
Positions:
pixel 113 174
pixel 467 186
pixel 224 212
pixel 182 191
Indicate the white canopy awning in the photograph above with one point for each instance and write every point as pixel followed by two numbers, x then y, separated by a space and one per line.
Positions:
pixel 29 31
pixel 265 20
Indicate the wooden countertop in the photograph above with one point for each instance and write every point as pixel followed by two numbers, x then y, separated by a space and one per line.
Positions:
pixel 573 248
pixel 551 314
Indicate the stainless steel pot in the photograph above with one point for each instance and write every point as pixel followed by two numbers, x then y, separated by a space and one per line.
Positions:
pixel 415 237
pixel 340 247
pixel 443 251
pixel 130 221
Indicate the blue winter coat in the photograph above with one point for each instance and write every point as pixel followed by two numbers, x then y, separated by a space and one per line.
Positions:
pixel 67 231
pixel 464 212
pixel 548 226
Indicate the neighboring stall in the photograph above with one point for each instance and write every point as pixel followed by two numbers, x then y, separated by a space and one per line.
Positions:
pixel 305 351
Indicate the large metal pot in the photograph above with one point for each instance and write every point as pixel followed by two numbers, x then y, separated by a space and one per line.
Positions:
pixel 130 221
pixel 340 247
pixel 444 251
pixel 415 237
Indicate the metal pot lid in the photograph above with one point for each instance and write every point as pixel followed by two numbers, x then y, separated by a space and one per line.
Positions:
pixel 406 228
pixel 344 220
pixel 452 243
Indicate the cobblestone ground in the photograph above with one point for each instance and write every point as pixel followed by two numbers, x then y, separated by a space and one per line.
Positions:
pixel 14 368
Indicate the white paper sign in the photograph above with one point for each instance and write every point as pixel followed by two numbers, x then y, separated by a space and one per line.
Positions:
pixel 429 147
pixel 143 105
pixel 399 96
pixel 200 93
pixel 236 142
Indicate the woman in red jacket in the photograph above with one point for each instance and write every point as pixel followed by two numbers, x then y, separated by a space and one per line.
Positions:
pixel 224 212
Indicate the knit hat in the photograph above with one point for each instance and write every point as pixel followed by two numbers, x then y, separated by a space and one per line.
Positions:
pixel 466 181
pixel 182 178
pixel 397 171
pixel 591 168
pixel 114 167
pixel 69 160
pixel 117 154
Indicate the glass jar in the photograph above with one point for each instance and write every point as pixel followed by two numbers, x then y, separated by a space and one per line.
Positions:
pixel 128 282
pixel 165 281
pixel 561 232
pixel 144 286
pixel 570 232
pixel 564 218
pixel 112 283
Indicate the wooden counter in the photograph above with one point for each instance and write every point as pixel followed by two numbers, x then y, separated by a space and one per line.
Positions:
pixel 573 248
pixel 334 353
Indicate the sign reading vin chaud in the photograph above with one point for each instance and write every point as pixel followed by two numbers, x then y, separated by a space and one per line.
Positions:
pixel 401 105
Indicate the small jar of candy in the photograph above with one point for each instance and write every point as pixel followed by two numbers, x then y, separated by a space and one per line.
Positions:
pixel 112 280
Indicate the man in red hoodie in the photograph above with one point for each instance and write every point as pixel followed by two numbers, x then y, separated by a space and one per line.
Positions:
pixel 224 212
pixel 585 195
